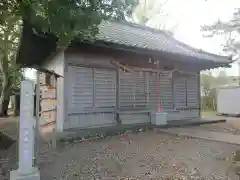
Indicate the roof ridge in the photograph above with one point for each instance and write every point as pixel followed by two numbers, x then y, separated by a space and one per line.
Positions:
pixel 140 26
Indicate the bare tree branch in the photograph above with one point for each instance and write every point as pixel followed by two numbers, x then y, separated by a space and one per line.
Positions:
pixel 227 29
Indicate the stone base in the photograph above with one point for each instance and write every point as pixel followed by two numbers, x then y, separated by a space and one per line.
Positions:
pixel 159 118
pixel 15 175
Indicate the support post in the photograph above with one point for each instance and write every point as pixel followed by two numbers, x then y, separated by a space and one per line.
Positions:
pixel 199 94
pixel 26 170
pixel 37 110
pixel 118 95
pixel 158 117
pixel 118 89
pixel 159 104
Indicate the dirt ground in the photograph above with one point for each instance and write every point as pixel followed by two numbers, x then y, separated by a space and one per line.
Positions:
pixel 10 126
pixel 146 155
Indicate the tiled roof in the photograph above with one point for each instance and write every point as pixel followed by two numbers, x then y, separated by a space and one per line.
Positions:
pixel 139 36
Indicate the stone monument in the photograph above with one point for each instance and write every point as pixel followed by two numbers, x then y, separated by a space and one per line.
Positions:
pixel 26 170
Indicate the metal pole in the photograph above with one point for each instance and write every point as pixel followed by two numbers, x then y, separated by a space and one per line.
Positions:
pixel 37 145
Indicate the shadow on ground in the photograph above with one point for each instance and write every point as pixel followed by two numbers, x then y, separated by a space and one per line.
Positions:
pixel 5 142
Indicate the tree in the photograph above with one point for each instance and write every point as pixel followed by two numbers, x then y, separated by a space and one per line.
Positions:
pixel 222 78
pixel 207 83
pixel 229 29
pixel 208 87
pixel 150 10
pixel 64 19
pixel 68 18
pixel 10 72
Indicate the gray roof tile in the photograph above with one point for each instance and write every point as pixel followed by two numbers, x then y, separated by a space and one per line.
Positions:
pixel 144 37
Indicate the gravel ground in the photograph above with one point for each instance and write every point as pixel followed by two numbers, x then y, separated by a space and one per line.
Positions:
pixel 146 155
pixel 232 126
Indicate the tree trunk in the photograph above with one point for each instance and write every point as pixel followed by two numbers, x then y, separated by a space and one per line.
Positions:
pixel 15 101
pixel 5 96
pixel 6 86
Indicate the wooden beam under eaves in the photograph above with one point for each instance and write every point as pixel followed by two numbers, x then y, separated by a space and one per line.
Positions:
pixel 124 67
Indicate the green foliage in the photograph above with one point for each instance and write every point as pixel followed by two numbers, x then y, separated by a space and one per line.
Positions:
pixel 10 29
pixel 65 19
pixel 68 18
pixel 209 86
pixel 208 113
pixel 207 83
pixel 208 98
pixel 208 103
pixel 15 75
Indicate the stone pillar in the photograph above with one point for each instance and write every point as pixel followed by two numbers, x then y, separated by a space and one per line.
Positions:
pixel 26 170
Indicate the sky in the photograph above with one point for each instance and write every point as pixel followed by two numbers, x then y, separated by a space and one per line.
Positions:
pixel 189 16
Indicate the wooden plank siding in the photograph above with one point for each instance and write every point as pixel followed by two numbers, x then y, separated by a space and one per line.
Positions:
pixel 93 85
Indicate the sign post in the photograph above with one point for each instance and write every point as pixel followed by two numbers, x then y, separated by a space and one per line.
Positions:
pixel 26 170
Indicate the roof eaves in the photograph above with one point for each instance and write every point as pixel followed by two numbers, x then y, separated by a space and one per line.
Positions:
pixel 121 33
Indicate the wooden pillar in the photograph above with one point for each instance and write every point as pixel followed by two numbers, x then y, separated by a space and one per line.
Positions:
pixel 199 94
pixel 118 89
pixel 118 94
pixel 159 104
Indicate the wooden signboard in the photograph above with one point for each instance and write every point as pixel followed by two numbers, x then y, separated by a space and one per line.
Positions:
pixel 48 93
pixel 48 105
pixel 49 116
